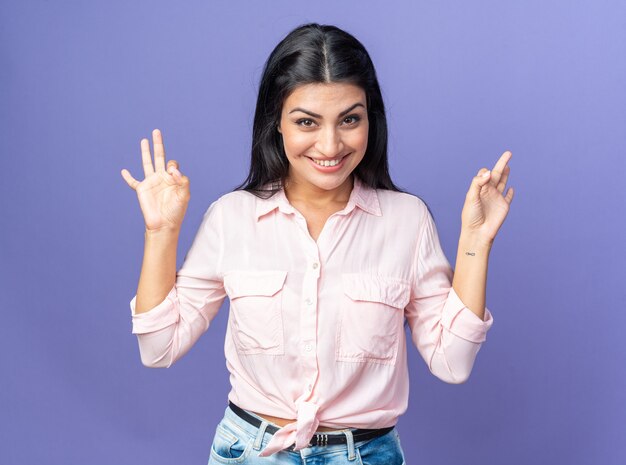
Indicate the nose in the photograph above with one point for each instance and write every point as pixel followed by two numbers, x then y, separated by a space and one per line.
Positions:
pixel 329 143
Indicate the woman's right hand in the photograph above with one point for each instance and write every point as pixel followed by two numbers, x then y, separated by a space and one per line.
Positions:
pixel 163 194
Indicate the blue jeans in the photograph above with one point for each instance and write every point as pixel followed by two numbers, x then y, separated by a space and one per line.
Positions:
pixel 237 441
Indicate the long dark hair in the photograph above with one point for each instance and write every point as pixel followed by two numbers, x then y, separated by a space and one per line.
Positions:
pixel 314 53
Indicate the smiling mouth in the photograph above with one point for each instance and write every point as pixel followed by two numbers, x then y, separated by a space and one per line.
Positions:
pixel 333 162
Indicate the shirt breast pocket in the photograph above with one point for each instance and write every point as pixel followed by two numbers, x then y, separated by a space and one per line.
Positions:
pixel 371 318
pixel 256 310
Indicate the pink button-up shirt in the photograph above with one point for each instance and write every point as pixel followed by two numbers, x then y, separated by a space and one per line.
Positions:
pixel 316 328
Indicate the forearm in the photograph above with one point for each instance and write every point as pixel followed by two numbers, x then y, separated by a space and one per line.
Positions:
pixel 470 272
pixel 158 270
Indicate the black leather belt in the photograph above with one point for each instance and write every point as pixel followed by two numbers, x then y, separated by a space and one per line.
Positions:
pixel 318 439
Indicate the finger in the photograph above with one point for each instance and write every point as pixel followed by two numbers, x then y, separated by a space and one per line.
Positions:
pixel 499 166
pixel 484 170
pixel 172 168
pixel 146 161
pixel 179 176
pixel 171 165
pixel 478 182
pixel 503 179
pixel 159 150
pixel 509 196
pixel 132 182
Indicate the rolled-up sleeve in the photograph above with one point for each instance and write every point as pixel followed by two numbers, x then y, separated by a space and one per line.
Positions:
pixel 164 314
pixel 461 321
pixel 447 334
pixel 167 331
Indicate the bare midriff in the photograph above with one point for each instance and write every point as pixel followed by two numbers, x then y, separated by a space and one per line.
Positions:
pixel 283 421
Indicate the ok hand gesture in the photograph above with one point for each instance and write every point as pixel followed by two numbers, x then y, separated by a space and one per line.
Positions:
pixel 163 194
pixel 485 207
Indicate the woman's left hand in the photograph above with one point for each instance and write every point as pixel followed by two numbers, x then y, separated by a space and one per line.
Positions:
pixel 485 207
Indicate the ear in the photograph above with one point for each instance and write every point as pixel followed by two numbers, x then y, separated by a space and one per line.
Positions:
pixel 278 128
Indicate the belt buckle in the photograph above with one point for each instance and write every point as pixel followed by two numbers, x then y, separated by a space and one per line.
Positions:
pixel 321 439
pixel 318 439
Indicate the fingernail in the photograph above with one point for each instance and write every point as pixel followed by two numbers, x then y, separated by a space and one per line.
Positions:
pixel 485 174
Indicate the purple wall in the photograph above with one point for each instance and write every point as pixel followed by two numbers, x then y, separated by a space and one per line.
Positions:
pixel 82 82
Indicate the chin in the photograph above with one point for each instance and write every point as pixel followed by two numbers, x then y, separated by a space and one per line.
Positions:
pixel 329 183
pixel 327 186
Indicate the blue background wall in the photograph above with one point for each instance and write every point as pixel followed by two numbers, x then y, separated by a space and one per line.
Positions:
pixel 82 82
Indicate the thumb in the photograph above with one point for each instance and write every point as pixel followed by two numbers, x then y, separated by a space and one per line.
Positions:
pixel 478 182
pixel 173 170
pixel 181 177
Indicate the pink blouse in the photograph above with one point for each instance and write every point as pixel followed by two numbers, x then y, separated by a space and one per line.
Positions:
pixel 316 328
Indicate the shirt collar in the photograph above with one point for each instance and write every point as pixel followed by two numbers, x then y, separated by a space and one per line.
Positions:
pixel 362 196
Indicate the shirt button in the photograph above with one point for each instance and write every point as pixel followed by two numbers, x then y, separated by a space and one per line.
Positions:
pixel 315 265
pixel 310 387
pixel 307 347
pixel 309 301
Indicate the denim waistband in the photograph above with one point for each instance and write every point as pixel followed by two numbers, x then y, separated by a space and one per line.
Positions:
pixel 261 437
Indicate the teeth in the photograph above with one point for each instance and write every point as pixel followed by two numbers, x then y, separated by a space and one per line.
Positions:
pixel 327 163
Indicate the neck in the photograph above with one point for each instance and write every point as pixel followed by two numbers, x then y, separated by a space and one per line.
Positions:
pixel 315 197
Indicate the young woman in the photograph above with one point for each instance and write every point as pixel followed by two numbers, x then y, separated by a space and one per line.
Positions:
pixel 323 260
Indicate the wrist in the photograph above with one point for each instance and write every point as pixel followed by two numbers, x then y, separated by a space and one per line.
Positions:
pixel 165 233
pixel 471 240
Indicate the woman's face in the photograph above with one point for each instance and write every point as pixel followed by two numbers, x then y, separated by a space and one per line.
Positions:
pixel 326 123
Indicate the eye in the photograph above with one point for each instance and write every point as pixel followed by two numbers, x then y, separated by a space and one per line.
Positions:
pixel 355 118
pixel 300 121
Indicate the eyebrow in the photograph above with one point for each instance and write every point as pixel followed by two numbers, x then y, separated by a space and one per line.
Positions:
pixel 320 116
